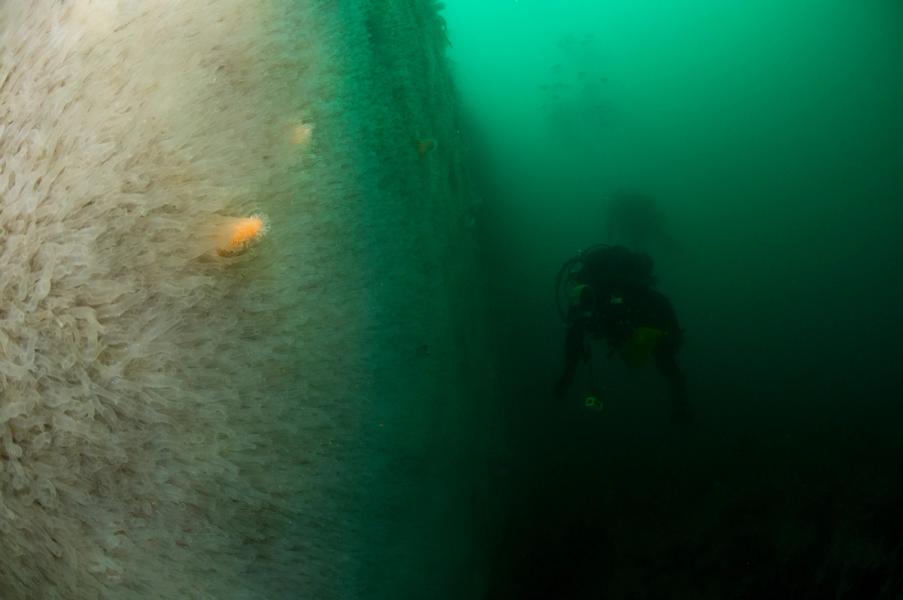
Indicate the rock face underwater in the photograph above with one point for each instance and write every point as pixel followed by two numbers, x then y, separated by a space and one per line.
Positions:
pixel 239 340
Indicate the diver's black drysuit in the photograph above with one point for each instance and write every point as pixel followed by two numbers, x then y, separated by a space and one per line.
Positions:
pixel 614 297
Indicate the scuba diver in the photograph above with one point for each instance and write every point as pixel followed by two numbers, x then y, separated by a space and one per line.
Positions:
pixel 609 295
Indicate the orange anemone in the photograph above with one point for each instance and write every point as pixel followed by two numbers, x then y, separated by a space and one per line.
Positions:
pixel 241 234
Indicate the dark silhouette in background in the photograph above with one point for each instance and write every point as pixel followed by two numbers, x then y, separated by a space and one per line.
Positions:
pixel 635 220
pixel 610 294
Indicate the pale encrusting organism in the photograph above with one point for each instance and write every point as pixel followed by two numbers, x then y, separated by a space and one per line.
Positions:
pixel 193 306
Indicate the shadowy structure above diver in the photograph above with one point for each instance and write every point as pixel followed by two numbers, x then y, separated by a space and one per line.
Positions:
pixel 609 295
pixel 635 220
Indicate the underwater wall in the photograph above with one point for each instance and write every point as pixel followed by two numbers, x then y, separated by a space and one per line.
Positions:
pixel 240 339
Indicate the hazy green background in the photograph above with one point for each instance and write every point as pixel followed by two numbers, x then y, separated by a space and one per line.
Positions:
pixel 771 134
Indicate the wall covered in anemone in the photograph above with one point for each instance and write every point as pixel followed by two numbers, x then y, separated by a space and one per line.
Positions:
pixel 239 340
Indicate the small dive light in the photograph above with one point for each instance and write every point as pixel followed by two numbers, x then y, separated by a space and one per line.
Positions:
pixel 593 402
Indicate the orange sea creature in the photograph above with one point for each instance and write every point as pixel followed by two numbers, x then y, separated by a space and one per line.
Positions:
pixel 241 234
pixel 301 133
pixel 425 145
